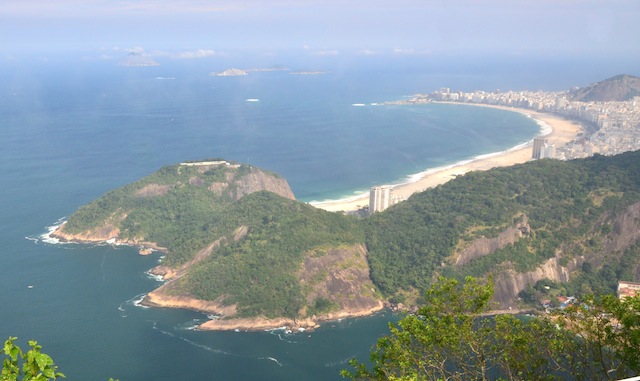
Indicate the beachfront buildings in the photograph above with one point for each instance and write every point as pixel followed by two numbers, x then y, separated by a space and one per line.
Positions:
pixel 379 198
pixel 542 149
pixel 608 128
pixel 538 147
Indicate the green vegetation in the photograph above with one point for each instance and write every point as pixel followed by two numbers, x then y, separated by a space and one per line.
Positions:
pixel 567 210
pixel 449 339
pixel 173 207
pixel 31 366
pixel 259 272
pixel 563 201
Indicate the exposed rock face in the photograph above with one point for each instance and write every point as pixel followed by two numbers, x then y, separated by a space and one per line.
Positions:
pixel 169 273
pixel 102 234
pixel 257 180
pixel 342 277
pixel 624 233
pixel 485 246
pixel 241 181
pixel 153 190
pixel 509 284
pixel 619 88
pixel 159 298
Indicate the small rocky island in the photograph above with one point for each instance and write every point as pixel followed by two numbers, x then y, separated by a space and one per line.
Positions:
pixel 230 73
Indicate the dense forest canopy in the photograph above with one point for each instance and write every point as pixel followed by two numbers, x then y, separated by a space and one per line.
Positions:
pixel 572 212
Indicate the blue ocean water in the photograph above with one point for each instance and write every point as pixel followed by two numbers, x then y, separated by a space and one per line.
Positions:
pixel 71 132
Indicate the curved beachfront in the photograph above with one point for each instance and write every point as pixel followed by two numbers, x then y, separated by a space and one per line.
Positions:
pixel 557 130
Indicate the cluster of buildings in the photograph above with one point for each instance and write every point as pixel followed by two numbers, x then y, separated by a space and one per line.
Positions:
pixel 610 127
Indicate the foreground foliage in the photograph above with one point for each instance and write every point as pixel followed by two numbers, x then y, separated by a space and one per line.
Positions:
pixel 31 366
pixel 450 339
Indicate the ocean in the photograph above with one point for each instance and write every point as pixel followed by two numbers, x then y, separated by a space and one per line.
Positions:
pixel 70 132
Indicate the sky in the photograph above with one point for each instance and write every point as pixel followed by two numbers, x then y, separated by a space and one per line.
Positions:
pixel 191 29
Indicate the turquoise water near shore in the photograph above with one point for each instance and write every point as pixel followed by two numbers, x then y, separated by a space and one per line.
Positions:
pixel 70 134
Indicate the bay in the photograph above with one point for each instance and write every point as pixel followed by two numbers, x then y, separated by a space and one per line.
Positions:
pixel 69 133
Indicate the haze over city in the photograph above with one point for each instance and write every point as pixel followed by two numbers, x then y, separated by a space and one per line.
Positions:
pixel 195 29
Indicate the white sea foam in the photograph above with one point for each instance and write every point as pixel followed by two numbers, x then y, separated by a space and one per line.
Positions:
pixel 283 328
pixel 47 238
pixel 137 301
pixel 545 128
pixel 191 325
pixel 157 278
pixel 271 359
pixel 252 100
pixel 415 177
pixel 198 345
pixel 357 195
pixel 358 104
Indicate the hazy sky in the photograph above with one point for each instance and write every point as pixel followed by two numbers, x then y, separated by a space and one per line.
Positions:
pixel 199 28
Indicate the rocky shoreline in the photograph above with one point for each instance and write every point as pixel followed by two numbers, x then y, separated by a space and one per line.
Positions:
pixel 105 236
pixel 226 321
pixel 160 298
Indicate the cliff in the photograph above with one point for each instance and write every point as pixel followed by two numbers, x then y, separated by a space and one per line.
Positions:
pixel 483 246
pixel 623 234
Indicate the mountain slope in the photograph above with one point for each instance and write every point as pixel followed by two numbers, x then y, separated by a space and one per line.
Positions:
pixel 236 243
pixel 247 253
pixel 619 88
pixel 512 221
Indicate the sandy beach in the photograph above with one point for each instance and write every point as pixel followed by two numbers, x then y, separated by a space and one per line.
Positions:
pixel 561 132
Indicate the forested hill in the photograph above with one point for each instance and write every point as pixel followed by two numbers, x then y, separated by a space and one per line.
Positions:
pixel 575 222
pixel 234 243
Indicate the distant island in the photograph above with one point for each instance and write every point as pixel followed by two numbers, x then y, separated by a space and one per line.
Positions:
pixel 239 247
pixel 230 73
pixel 233 72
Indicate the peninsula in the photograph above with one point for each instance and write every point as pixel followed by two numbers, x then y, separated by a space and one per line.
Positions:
pixel 239 246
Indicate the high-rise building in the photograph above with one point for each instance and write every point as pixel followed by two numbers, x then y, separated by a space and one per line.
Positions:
pixel 379 198
pixel 548 151
pixel 538 146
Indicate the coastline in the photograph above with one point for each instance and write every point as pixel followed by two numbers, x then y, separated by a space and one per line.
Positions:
pixel 558 130
pixel 227 321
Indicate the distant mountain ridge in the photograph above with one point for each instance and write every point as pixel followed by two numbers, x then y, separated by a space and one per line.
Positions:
pixel 619 88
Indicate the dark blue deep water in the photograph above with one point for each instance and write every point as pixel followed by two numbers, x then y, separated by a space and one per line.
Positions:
pixel 71 132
